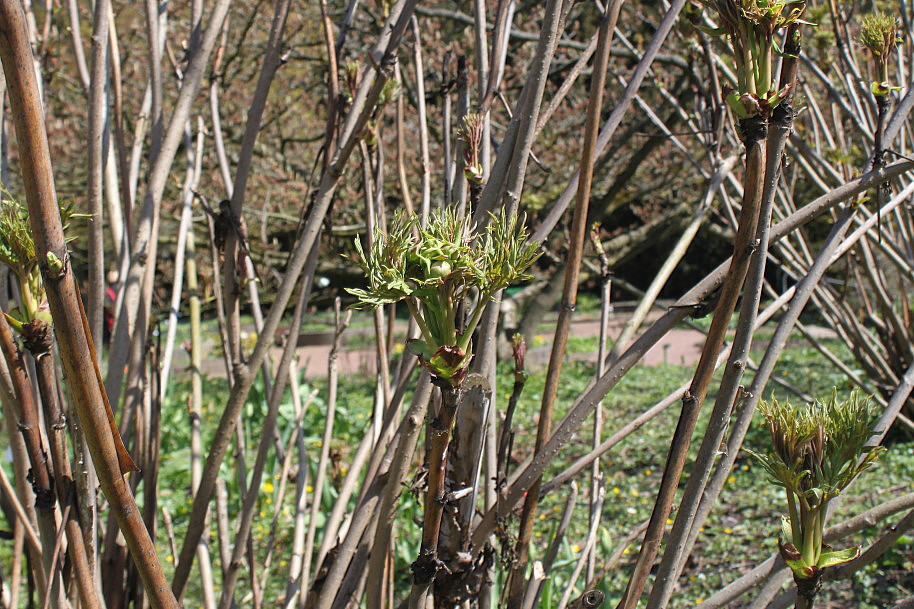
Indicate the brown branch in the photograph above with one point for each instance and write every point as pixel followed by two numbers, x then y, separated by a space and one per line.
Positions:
pixel 55 424
pixel 439 433
pixel 75 343
pixel 569 300
pixel 95 164
pixel 694 397
pixel 26 412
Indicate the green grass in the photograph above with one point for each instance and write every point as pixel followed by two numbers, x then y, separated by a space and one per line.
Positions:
pixel 740 532
pixel 730 541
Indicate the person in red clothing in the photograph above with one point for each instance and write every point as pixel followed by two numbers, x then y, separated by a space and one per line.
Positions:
pixel 109 304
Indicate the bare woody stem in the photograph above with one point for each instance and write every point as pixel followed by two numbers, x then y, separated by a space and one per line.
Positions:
pixel 878 161
pixel 39 345
pixel 517 578
pixel 272 61
pixel 882 112
pixel 95 167
pixel 27 414
pixel 439 437
pixel 754 134
pixel 807 589
pixel 506 437
pixel 75 344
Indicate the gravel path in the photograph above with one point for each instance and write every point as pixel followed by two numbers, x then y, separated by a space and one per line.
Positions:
pixel 678 347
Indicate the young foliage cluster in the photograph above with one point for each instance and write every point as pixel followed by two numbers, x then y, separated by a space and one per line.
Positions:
pixel 439 267
pixel 751 26
pixel 17 251
pixel 817 451
pixel 879 33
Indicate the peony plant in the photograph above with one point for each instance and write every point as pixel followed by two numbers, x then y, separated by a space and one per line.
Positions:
pixel 817 451
pixel 436 270
pixel 751 26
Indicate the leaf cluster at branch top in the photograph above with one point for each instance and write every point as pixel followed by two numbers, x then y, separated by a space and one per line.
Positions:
pixel 17 250
pixel 817 451
pixel 435 269
pixel 879 33
pixel 751 26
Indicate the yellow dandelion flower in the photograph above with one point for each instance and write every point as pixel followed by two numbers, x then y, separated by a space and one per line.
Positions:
pixel 728 531
pixel 268 487
pixel 731 479
pixel 616 490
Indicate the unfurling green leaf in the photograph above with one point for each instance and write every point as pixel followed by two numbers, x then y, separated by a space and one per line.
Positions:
pixel 837 557
pixel 17 250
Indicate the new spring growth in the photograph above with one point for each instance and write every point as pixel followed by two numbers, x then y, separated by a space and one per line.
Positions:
pixel 751 26
pixel 350 76
pixel 817 451
pixel 389 93
pixel 879 33
pixel 436 269
pixel 470 132
pixel 17 251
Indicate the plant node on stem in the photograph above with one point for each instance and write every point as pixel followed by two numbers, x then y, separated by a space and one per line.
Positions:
pixel 753 129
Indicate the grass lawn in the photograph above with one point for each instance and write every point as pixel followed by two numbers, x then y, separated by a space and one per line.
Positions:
pixel 739 534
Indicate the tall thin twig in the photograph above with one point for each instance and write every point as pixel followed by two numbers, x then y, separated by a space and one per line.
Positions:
pixel 569 298
pixel 361 110
pixel 341 323
pixel 96 161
